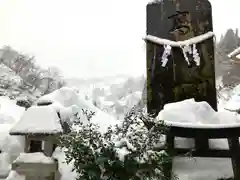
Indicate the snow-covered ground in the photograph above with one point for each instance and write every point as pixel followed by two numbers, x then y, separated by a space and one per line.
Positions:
pixel 69 99
pixel 10 146
pixel 189 113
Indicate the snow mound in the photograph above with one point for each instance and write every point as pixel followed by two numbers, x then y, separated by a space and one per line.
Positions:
pixel 132 99
pixel 234 102
pixel 189 113
pixel 68 102
pixel 6 119
pixel 43 120
pixel 66 97
pixel 10 146
pixel 7 107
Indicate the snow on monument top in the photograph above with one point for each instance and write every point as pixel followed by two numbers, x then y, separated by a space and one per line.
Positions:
pixel 191 114
pixel 38 121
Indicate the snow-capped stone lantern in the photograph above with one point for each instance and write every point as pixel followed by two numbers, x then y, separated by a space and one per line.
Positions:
pixel 38 124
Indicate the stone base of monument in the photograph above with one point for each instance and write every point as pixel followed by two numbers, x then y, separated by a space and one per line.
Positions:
pixel 36 166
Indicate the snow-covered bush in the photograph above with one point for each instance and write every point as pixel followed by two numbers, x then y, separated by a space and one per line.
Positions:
pixel 125 152
pixel 24 102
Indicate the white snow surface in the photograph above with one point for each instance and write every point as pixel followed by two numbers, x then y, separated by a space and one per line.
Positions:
pixel 10 146
pixel 7 107
pixel 66 97
pixel 189 113
pixel 38 119
pixel 67 101
pixel 132 99
pixel 234 102
pixel 64 168
pixel 37 157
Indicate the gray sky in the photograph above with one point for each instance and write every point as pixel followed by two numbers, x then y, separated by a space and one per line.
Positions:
pixel 89 38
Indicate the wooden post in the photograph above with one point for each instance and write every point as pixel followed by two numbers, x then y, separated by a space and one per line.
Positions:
pixel 27 144
pixel 177 21
pixel 167 167
pixel 234 148
pixel 201 143
pixel 48 147
pixel 57 175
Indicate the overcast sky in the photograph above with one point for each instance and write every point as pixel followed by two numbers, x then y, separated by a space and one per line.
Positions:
pixel 89 38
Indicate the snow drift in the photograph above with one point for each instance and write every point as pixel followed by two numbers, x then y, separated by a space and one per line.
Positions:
pixel 11 146
pixel 68 102
pixel 197 114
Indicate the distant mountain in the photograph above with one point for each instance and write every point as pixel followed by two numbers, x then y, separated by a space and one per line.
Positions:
pixel 96 82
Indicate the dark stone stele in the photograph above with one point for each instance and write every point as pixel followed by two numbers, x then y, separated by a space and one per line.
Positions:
pixel 177 21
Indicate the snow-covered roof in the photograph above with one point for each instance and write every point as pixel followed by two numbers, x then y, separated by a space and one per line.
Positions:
pixel 37 120
pixel 66 100
pixel 106 103
pixel 234 53
pixel 66 170
pixel 37 157
pixel 66 97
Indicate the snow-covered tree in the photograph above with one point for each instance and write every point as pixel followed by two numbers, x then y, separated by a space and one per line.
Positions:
pixel 33 77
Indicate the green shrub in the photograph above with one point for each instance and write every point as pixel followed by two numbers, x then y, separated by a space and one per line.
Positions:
pixel 124 152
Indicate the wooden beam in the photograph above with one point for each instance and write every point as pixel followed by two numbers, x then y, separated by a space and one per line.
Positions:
pixel 195 132
pixel 211 153
pixel 235 156
pixel 167 166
